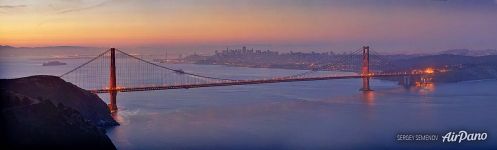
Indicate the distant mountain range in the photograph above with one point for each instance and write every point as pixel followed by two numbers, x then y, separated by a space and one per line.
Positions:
pixel 467 52
pixel 48 51
pixel 5 47
pixel 462 52
pixel 462 68
pixel 445 59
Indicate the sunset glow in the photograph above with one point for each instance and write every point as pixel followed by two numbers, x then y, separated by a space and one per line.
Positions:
pixel 316 23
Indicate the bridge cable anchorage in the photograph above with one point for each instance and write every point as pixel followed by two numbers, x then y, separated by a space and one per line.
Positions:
pixel 176 70
pixel 84 64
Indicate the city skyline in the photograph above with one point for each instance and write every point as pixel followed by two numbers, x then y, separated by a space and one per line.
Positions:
pixel 319 25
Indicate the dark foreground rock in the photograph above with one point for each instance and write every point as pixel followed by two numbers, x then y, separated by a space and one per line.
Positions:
pixel 41 112
pixel 58 91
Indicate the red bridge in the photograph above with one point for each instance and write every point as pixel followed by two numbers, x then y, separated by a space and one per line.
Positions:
pixel 101 74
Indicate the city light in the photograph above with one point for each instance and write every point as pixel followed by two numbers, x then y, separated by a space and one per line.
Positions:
pixel 429 70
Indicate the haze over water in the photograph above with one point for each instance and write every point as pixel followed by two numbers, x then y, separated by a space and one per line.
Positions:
pixel 298 115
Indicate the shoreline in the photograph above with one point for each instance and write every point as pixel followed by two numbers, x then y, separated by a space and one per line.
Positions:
pixel 296 69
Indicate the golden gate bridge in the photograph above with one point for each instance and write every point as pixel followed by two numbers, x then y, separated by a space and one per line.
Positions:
pixel 116 71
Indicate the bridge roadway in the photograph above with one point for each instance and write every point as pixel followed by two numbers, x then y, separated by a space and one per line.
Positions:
pixel 247 82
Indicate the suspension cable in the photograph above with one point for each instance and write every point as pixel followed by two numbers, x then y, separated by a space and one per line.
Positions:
pixel 82 65
pixel 175 70
pixel 342 57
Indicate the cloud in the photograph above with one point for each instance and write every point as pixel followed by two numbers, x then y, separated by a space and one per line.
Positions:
pixel 11 6
pixel 69 10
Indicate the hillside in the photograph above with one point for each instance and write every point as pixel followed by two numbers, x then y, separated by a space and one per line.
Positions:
pixel 47 112
pixel 461 68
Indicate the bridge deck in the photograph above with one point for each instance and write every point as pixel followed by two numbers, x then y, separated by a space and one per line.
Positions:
pixel 242 82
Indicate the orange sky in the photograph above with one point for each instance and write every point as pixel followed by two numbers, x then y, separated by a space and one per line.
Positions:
pixel 222 22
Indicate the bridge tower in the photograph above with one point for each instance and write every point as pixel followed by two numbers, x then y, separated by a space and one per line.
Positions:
pixel 112 83
pixel 365 69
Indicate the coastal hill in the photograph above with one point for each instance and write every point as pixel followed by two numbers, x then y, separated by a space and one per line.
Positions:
pixel 58 91
pixel 47 112
pixel 467 52
pixel 460 67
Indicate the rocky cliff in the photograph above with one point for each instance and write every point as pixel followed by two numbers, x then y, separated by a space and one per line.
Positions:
pixel 57 91
pixel 47 112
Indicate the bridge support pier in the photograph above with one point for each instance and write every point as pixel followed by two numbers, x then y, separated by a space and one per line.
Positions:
pixel 113 104
pixel 112 82
pixel 365 69
pixel 365 84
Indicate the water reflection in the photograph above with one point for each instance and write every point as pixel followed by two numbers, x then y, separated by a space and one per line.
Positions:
pixel 120 134
pixel 368 97
pixel 427 88
pixel 426 101
pixel 119 118
pixel 422 89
